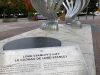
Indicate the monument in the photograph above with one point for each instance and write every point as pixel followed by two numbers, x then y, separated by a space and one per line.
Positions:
pixel 70 51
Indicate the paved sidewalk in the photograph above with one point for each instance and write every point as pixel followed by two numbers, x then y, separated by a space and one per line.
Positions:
pixel 96 44
pixel 14 28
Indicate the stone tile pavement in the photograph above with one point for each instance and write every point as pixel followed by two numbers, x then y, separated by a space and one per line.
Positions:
pixel 13 28
pixel 96 44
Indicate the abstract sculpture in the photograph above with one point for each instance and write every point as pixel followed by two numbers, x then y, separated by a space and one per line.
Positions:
pixel 48 8
pixel 73 7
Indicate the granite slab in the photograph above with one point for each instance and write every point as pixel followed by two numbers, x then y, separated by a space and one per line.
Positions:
pixel 68 36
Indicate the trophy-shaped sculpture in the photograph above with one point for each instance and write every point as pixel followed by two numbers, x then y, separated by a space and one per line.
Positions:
pixel 48 8
pixel 73 7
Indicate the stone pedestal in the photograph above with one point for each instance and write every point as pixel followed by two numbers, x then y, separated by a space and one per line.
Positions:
pixel 68 37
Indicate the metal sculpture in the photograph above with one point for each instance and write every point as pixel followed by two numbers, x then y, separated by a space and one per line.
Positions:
pixel 73 7
pixel 48 9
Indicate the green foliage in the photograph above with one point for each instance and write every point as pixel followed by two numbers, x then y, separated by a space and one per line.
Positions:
pixel 12 6
pixel 20 6
pixel 91 7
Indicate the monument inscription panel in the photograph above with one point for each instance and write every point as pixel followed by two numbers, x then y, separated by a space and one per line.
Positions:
pixel 44 61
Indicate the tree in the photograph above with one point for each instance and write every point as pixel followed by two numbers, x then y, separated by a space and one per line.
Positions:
pixel 91 7
pixel 20 6
pixel 30 9
pixel 28 5
pixel 12 7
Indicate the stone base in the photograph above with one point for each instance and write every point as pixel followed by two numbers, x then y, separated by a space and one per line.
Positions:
pixel 68 36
